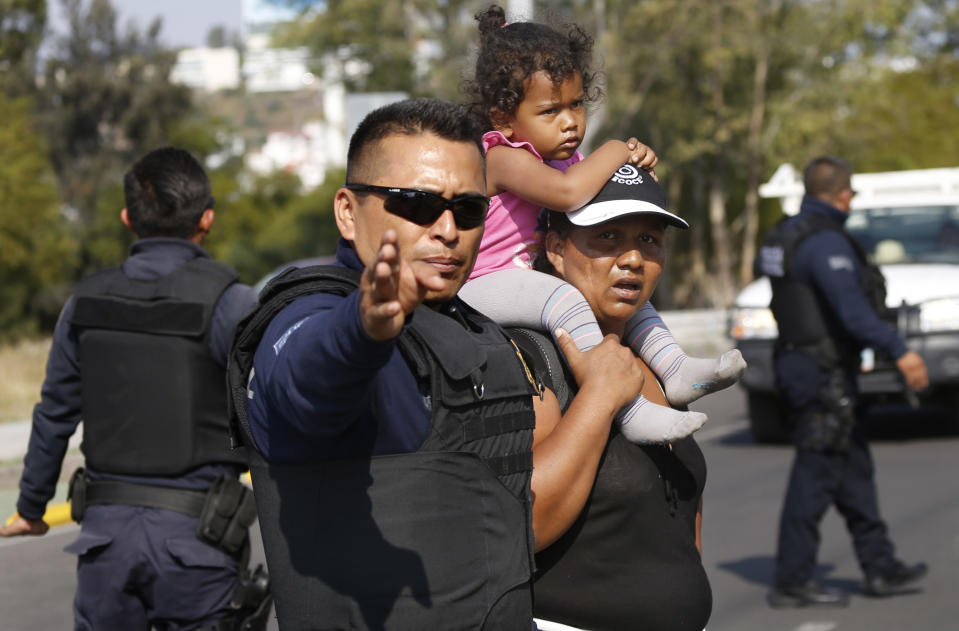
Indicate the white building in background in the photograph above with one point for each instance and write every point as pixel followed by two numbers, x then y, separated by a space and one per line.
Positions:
pixel 320 143
pixel 358 105
pixel 267 69
pixel 310 150
pixel 263 69
pixel 277 70
pixel 299 151
pixel 207 69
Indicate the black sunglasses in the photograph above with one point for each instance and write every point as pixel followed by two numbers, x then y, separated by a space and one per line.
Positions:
pixel 424 207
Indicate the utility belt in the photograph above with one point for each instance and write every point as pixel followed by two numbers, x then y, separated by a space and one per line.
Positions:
pixel 828 426
pixel 225 511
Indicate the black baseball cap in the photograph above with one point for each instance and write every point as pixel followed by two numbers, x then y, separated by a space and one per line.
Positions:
pixel 630 191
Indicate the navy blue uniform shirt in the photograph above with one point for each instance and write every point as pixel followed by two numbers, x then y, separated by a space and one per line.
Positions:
pixel 57 415
pixel 322 389
pixel 827 262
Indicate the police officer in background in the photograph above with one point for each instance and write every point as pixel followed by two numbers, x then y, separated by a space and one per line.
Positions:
pixel 139 355
pixel 827 300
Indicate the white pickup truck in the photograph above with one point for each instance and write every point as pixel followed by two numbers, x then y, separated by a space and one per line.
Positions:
pixel 908 222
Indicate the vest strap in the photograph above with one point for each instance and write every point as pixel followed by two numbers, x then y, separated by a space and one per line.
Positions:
pixel 480 428
pixel 510 463
pixel 278 293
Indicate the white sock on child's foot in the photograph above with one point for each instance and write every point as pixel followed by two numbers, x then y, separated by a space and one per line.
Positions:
pixel 645 422
pixel 684 378
pixel 698 376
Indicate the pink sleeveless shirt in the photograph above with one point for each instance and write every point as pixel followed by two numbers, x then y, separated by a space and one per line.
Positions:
pixel 510 240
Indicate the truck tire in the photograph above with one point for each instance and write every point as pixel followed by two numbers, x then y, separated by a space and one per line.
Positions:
pixel 767 418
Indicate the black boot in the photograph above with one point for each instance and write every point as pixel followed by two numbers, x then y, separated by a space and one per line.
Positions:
pixel 890 581
pixel 811 594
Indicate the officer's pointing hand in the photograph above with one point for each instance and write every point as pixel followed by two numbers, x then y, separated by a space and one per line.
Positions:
pixel 913 369
pixel 391 288
pixel 20 526
pixel 609 366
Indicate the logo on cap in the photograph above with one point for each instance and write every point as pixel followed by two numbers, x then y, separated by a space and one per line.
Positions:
pixel 627 174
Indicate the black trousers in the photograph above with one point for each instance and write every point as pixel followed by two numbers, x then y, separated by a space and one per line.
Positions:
pixel 817 481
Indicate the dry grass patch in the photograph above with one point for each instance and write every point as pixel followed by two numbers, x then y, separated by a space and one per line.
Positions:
pixel 22 367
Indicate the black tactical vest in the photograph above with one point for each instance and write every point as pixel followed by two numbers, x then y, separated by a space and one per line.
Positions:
pixel 436 539
pixel 799 310
pixel 154 400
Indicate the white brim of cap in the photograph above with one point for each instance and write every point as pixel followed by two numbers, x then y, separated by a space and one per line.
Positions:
pixel 604 211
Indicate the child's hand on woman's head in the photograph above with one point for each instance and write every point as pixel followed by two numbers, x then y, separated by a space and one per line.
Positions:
pixel 642 156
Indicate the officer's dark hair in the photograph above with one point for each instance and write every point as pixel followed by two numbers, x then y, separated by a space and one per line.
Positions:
pixel 510 53
pixel 411 117
pixel 827 176
pixel 166 192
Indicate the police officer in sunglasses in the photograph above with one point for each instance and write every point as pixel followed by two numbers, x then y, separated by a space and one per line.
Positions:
pixel 391 426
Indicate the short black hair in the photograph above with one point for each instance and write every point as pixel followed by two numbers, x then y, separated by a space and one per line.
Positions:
pixel 166 192
pixel 411 117
pixel 510 53
pixel 827 176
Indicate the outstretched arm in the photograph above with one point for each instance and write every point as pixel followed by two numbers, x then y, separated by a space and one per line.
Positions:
pixel 521 173
pixel 321 354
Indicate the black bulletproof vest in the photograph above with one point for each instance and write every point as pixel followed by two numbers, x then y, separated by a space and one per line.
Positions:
pixel 436 539
pixel 154 400
pixel 799 310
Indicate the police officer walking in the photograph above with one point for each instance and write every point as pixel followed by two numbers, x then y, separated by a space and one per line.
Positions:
pixel 827 300
pixel 139 355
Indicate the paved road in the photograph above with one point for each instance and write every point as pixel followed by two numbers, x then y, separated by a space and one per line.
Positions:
pixel 37 581
pixel 918 492
pixel 918 479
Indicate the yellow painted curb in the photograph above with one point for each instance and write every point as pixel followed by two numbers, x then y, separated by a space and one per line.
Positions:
pixel 56 515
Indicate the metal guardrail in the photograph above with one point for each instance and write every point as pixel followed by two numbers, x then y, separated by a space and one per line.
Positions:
pixel 701 332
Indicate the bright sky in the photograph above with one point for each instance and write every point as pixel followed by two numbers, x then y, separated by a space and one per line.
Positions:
pixel 185 22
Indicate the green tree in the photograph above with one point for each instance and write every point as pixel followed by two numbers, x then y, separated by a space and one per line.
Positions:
pixel 268 221
pixel 216 37
pixel 370 41
pixel 417 46
pixel 727 91
pixel 21 30
pixel 106 100
pixel 36 250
